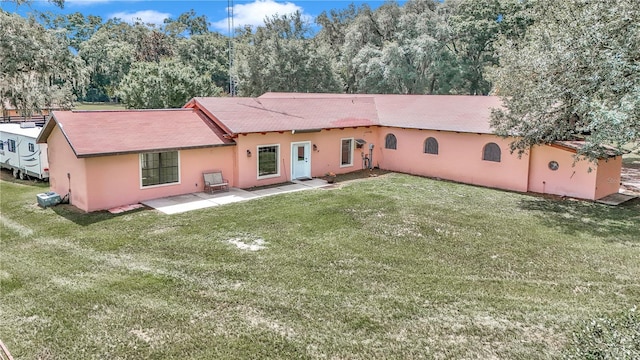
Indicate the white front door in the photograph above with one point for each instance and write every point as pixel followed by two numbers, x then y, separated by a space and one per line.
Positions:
pixel 301 160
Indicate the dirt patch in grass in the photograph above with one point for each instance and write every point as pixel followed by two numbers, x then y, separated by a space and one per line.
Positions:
pixel 256 188
pixel 360 174
pixel 245 244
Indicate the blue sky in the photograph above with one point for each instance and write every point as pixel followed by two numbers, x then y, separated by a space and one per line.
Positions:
pixel 245 12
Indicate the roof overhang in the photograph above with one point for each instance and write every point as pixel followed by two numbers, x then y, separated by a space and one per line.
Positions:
pixel 575 146
pixel 48 127
pixel 143 151
pixel 303 131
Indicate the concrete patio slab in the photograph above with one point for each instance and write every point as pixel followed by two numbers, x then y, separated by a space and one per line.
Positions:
pixel 221 200
pixel 195 201
pixel 615 199
pixel 179 204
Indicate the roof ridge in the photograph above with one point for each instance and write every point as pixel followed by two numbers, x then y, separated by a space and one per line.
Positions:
pixel 311 96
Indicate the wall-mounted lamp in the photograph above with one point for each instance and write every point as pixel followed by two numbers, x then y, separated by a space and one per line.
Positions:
pixel 315 147
pixel 248 153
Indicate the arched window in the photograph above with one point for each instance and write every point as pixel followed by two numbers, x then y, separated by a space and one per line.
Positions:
pixel 390 142
pixel 491 152
pixel 431 146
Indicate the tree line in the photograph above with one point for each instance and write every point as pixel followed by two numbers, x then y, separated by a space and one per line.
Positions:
pixel 564 69
pixel 420 47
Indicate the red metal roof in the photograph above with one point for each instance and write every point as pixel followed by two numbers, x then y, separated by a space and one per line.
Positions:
pixel 300 111
pixel 250 115
pixel 94 133
pixel 462 113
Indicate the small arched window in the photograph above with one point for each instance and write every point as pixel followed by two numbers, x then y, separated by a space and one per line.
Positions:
pixel 491 152
pixel 390 142
pixel 431 146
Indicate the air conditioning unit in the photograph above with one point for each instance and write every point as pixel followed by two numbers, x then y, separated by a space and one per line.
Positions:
pixel 48 199
pixel 360 143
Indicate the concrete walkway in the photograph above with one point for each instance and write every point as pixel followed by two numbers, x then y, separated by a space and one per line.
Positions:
pixel 194 201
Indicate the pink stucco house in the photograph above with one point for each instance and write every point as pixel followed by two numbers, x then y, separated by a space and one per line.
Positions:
pixel 104 159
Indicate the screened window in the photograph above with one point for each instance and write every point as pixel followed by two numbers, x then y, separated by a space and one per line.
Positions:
pixel 11 145
pixel 390 142
pixel 159 168
pixel 431 146
pixel 32 147
pixel 346 152
pixel 491 152
pixel 268 160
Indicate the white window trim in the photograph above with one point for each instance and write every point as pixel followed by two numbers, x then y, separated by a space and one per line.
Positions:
pixel 142 187
pixel 277 174
pixel 350 164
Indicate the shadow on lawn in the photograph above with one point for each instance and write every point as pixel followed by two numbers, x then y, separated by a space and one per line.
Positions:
pixel 82 218
pixel 621 222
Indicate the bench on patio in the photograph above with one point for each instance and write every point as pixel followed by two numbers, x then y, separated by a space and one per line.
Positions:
pixel 213 180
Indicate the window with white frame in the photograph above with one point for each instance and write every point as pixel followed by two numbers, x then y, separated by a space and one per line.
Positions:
pixel 32 147
pixel 268 164
pixel 160 168
pixel 1 145
pixel 11 145
pixel 346 152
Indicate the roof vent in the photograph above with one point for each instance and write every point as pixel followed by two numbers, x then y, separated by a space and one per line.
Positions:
pixel 27 125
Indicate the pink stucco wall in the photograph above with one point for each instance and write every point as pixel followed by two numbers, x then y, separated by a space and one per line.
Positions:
pixel 581 179
pixel 63 161
pixel 115 180
pixel 104 182
pixel 325 159
pixel 100 183
pixel 459 158
pixel 608 177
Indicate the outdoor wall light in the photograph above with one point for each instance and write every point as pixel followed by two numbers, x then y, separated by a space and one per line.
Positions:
pixel 315 147
pixel 248 153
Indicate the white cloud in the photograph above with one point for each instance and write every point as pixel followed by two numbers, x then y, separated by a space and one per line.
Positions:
pixel 146 16
pixel 254 13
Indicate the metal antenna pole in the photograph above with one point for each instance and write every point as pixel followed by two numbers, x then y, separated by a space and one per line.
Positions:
pixel 232 89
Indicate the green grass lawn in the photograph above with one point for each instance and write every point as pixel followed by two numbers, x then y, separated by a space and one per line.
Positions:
pixel 99 106
pixel 392 267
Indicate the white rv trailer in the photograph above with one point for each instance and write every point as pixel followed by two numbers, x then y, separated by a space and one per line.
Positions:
pixel 20 152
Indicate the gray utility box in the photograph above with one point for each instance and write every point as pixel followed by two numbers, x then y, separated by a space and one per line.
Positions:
pixel 48 199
